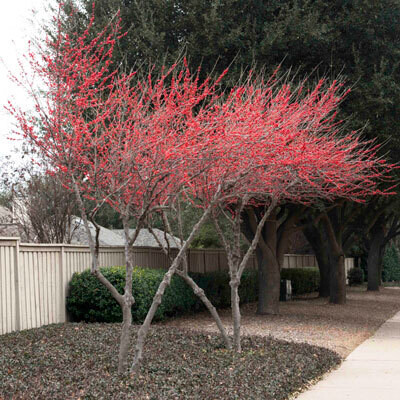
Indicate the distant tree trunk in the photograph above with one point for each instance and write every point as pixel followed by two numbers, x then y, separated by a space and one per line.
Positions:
pixel 324 273
pixel 337 272
pixel 270 253
pixel 268 270
pixel 262 279
pixel 385 228
pixel 337 292
pixel 269 286
pixel 316 236
pixel 375 256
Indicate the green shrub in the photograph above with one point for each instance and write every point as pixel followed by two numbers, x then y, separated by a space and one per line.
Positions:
pixel 88 300
pixel 391 265
pixel 304 280
pixel 216 286
pixel 355 276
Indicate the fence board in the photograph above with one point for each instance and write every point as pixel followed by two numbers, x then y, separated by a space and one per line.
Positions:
pixel 7 287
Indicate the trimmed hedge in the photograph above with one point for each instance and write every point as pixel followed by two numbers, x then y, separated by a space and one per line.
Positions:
pixel 216 286
pixel 304 280
pixel 391 265
pixel 88 300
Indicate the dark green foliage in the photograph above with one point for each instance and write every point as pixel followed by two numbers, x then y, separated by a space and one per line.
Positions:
pixel 217 289
pixel 304 280
pixel 391 265
pixel 207 237
pixel 72 361
pixel 216 284
pixel 88 300
pixel 106 216
pixel 355 276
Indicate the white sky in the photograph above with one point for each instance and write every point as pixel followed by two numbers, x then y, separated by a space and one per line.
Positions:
pixel 19 22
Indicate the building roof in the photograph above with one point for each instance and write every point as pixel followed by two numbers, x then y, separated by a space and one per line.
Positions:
pixel 146 238
pixel 115 237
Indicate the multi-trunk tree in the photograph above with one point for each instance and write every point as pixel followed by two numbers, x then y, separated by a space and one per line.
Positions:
pixel 280 145
pixel 127 140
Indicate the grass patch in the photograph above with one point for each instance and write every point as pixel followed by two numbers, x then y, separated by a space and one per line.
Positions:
pixel 74 361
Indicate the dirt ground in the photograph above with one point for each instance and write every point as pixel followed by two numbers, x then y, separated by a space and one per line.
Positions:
pixel 310 319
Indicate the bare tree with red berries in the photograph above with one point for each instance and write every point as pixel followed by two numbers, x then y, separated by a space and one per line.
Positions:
pixel 139 143
pixel 115 138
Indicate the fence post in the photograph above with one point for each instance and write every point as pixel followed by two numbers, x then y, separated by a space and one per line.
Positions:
pixel 16 286
pixel 61 287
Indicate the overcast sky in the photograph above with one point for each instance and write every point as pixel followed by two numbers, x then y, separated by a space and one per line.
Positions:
pixel 20 21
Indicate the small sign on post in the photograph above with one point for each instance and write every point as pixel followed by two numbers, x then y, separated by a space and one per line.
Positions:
pixel 286 290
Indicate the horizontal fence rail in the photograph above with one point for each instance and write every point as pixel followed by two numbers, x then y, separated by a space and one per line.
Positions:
pixel 34 277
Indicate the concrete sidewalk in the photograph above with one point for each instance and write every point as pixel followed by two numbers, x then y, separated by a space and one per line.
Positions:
pixel 370 372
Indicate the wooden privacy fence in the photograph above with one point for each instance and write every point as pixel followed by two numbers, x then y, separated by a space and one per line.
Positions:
pixel 34 277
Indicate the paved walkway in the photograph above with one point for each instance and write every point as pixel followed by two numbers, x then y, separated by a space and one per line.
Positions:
pixel 370 372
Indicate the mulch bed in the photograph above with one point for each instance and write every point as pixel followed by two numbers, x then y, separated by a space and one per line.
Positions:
pixel 79 361
pixel 312 320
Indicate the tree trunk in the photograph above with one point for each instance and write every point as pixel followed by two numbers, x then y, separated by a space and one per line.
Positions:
pixel 269 281
pixel 386 228
pixel 337 272
pixel 337 280
pixel 269 274
pixel 317 239
pixel 125 337
pixel 324 275
pixel 375 256
pixel 236 318
pixel 380 263
pixel 270 253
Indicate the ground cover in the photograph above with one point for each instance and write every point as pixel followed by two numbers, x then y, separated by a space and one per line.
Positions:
pixel 78 361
